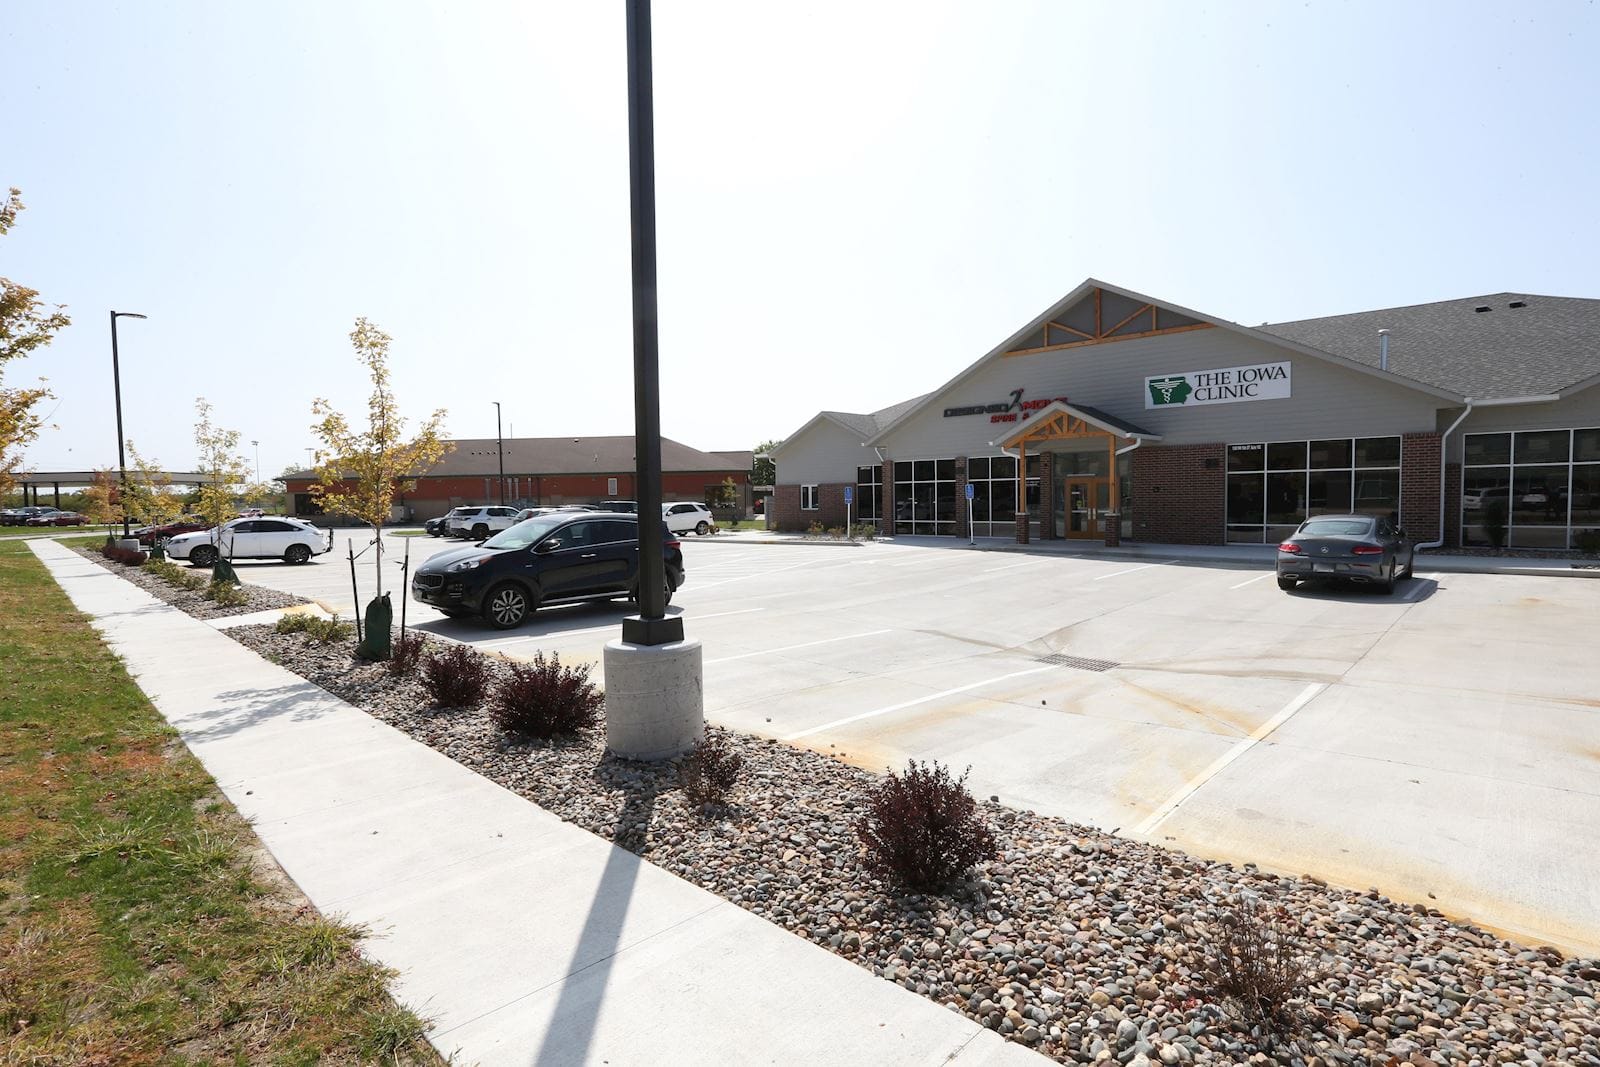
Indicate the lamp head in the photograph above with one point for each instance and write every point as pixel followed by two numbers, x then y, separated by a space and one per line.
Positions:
pixel 128 315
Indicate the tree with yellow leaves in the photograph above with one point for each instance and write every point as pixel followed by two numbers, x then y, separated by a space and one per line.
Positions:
pixel 26 324
pixel 360 472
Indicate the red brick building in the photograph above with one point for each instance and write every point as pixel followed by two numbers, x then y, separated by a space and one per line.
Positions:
pixel 558 470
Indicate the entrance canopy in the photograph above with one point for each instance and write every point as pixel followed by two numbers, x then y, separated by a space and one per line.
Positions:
pixel 1063 421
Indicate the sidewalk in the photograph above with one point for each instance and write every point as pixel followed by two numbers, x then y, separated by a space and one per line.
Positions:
pixel 524 939
pixel 1248 556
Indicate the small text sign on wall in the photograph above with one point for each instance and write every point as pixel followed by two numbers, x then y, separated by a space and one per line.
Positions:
pixel 1229 385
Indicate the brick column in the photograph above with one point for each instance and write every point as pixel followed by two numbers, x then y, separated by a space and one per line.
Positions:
pixel 886 505
pixel 1419 485
pixel 963 527
pixel 1022 527
pixel 1047 496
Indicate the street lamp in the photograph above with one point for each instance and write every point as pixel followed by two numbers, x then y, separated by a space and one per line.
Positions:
pixel 116 381
pixel 500 449
pixel 258 460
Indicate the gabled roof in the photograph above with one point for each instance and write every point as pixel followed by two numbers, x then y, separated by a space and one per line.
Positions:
pixel 480 457
pixel 1549 345
pixel 866 425
pixel 1093 416
pixel 1090 284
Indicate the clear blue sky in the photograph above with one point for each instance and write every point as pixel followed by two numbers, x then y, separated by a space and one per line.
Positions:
pixel 856 200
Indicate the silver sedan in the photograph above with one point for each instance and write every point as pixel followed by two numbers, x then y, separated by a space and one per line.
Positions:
pixel 1359 548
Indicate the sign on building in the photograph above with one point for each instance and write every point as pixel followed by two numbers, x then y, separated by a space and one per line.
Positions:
pixel 1230 385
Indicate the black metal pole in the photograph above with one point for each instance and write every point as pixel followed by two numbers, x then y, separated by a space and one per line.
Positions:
pixel 122 463
pixel 500 451
pixel 651 626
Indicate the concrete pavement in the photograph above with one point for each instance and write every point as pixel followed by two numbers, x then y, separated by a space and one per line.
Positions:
pixel 525 939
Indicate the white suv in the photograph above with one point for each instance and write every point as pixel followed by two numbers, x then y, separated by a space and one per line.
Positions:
pixel 290 540
pixel 684 517
pixel 479 523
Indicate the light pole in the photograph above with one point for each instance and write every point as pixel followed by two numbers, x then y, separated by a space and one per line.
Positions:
pixel 500 450
pixel 116 384
pixel 257 445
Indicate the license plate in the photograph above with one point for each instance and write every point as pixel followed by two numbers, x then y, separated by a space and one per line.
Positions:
pixel 1322 568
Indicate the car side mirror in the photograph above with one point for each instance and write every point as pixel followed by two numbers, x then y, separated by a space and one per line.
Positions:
pixel 544 548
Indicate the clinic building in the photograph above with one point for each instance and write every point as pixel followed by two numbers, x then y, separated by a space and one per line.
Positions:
pixel 1115 416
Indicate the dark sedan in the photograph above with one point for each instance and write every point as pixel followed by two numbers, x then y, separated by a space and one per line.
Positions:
pixel 149 535
pixel 550 559
pixel 22 516
pixel 1359 548
pixel 59 518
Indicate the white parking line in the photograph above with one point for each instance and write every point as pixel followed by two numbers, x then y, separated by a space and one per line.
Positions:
pixel 1159 816
pixel 1130 570
pixel 1416 586
pixel 1011 567
pixel 792 648
pixel 1250 581
pixel 913 703
pixel 617 626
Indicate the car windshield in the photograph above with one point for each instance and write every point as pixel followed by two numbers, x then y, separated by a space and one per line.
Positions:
pixel 1337 527
pixel 525 533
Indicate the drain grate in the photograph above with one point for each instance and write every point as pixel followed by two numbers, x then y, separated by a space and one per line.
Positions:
pixel 1079 663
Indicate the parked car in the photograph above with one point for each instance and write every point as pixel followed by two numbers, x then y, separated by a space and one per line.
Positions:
pixel 20 516
pixel 291 540
pixel 478 523
pixel 1361 548
pixel 52 517
pixel 683 516
pixel 441 526
pixel 621 507
pixel 149 535
pixel 252 513
pixel 546 560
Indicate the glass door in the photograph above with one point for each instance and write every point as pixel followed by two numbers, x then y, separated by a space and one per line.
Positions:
pixel 1087 500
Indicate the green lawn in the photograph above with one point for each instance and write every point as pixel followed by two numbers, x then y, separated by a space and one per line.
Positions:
pixel 134 926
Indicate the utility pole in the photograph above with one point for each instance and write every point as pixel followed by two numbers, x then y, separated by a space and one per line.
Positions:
pixel 116 384
pixel 500 450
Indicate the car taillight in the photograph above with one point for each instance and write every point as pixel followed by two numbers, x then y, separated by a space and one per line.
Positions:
pixel 1367 550
pixel 1290 547
pixel 671 544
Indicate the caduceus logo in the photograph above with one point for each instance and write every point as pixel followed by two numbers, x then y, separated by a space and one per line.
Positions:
pixel 1173 389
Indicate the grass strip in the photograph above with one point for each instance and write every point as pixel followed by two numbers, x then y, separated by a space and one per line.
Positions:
pixel 140 919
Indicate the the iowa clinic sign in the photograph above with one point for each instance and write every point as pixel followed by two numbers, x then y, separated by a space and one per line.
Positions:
pixel 1230 385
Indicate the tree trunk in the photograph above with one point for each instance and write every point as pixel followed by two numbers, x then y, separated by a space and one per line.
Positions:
pixel 377 559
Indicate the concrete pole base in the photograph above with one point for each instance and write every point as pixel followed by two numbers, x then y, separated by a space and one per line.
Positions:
pixel 655 699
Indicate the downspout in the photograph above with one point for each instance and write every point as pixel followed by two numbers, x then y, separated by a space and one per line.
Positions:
pixel 1444 450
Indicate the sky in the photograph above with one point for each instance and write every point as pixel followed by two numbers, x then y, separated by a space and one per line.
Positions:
pixel 855 200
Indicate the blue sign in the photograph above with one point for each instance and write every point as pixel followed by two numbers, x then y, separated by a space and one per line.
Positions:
pixel 969 491
pixel 849 492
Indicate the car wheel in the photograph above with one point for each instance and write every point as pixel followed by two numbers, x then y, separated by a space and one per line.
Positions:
pixel 203 556
pixel 1388 584
pixel 480 532
pixel 633 593
pixel 703 528
pixel 1411 565
pixel 507 605
pixel 297 554
pixel 1286 581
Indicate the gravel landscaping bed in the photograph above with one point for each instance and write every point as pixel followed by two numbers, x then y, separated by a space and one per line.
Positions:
pixel 193 602
pixel 1081 944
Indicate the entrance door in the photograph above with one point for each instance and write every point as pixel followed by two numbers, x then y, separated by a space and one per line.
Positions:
pixel 1087 501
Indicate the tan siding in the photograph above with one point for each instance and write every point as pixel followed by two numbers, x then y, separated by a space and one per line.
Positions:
pixel 827 452
pixel 1575 412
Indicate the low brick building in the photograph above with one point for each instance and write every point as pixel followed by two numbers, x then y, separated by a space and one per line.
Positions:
pixel 1115 416
pixel 558 470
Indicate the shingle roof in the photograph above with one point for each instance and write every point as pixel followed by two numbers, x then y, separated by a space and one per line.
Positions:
pixel 870 423
pixel 1549 344
pixel 479 457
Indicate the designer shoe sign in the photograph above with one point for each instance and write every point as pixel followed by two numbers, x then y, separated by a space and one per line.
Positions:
pixel 1231 385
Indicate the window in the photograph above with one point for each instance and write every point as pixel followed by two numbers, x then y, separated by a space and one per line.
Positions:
pixel 1274 486
pixel 869 494
pixel 808 498
pixel 925 496
pixel 274 526
pixel 1530 488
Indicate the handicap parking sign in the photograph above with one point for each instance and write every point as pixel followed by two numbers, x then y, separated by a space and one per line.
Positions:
pixel 849 492
pixel 969 491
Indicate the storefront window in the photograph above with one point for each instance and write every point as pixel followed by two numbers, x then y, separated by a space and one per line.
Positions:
pixel 994 494
pixel 869 494
pixel 1275 486
pixel 925 496
pixel 1530 489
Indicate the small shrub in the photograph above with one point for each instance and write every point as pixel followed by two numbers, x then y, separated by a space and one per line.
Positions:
pixel 543 698
pixel 405 654
pixel 836 532
pixel 1257 962
pixel 708 774
pixel 128 557
pixel 295 622
pixel 922 830
pixel 814 530
pixel 226 594
pixel 866 531
pixel 315 627
pixel 455 677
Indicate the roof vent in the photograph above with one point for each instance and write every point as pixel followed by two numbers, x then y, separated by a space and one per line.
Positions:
pixel 1517 304
pixel 1481 308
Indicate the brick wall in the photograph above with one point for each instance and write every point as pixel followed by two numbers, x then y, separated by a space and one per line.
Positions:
pixel 1047 496
pixel 784 511
pixel 435 496
pixel 886 519
pixel 963 527
pixel 1419 485
pixel 1179 494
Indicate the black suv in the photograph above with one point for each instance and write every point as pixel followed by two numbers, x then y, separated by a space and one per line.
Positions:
pixel 545 560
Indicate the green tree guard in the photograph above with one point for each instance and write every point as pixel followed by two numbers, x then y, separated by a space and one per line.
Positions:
pixel 375 642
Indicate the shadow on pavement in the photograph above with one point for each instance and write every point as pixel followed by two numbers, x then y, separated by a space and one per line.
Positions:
pixel 1406 591
pixel 242 709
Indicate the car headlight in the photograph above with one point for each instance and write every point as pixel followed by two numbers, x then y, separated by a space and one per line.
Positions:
pixel 466 565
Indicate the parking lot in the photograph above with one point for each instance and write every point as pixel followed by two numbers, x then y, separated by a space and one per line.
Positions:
pixel 1442 744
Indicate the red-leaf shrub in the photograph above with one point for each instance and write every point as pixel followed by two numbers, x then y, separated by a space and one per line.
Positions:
pixel 405 654
pixel 128 557
pixel 708 773
pixel 543 698
pixel 922 829
pixel 455 676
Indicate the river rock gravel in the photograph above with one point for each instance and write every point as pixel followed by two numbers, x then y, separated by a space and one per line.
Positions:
pixel 1075 942
pixel 193 601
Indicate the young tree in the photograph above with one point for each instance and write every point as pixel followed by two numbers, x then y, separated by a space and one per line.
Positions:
pixel 764 471
pixel 227 471
pixel 26 323
pixel 150 499
pixel 360 472
pixel 102 504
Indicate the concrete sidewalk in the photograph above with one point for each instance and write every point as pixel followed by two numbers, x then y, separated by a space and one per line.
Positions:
pixel 525 939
